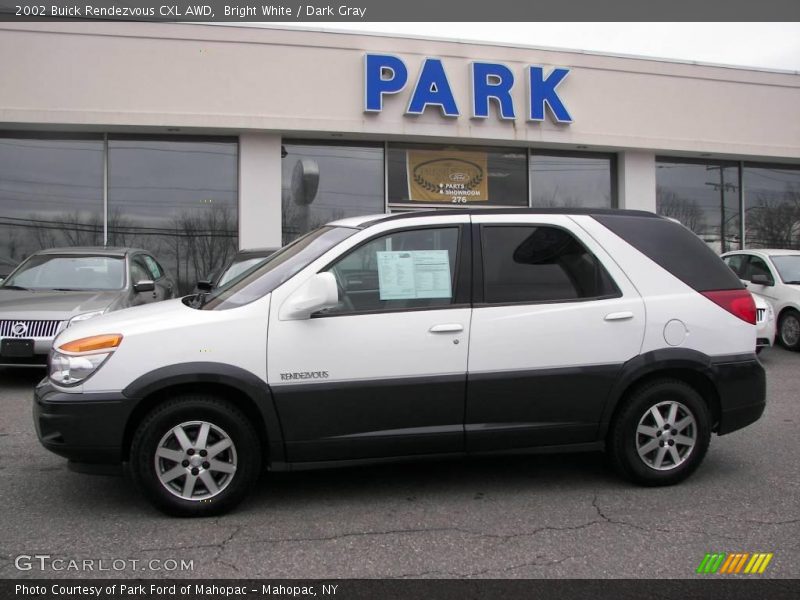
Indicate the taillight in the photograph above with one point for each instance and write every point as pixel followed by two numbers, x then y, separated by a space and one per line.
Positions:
pixel 739 303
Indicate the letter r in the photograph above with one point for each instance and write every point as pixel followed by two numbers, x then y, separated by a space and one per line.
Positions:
pixel 383 74
pixel 492 81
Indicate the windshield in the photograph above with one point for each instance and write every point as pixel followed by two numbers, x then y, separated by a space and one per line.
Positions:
pixel 237 268
pixel 69 273
pixel 265 276
pixel 788 268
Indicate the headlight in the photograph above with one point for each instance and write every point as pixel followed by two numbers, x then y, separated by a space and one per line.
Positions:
pixel 84 316
pixel 66 369
pixel 73 362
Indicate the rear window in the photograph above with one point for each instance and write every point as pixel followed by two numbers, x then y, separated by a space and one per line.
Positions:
pixel 674 248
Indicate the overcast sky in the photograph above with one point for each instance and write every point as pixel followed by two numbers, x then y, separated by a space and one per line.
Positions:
pixel 766 45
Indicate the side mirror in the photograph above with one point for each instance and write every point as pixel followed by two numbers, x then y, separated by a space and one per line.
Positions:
pixel 145 285
pixel 761 279
pixel 205 286
pixel 315 294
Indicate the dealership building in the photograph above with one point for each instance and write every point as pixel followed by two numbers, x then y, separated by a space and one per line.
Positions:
pixel 195 140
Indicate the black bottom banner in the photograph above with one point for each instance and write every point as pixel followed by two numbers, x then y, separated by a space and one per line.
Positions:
pixel 345 589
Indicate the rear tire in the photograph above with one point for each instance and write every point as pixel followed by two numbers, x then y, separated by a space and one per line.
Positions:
pixel 661 433
pixel 195 456
pixel 789 329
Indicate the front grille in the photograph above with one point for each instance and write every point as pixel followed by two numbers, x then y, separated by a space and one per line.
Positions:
pixel 760 313
pixel 28 329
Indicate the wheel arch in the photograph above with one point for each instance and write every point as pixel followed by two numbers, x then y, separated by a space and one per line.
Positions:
pixel 689 366
pixel 244 389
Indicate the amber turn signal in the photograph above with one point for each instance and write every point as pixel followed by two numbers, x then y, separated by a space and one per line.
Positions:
pixel 95 342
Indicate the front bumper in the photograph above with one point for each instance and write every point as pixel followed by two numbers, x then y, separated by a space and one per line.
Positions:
pixel 742 389
pixel 85 428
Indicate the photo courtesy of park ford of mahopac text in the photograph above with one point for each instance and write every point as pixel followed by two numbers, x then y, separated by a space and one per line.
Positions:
pixel 361 300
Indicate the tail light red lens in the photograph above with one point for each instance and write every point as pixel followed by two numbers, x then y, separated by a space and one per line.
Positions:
pixel 739 303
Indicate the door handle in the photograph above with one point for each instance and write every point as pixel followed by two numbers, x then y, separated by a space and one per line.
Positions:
pixel 619 316
pixel 447 328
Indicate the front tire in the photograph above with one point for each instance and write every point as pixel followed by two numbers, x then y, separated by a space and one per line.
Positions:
pixel 789 329
pixel 195 456
pixel 661 434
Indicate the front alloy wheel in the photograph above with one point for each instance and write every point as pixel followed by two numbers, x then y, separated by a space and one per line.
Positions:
pixel 195 460
pixel 195 455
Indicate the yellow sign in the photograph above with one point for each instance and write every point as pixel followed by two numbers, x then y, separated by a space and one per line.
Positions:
pixel 449 176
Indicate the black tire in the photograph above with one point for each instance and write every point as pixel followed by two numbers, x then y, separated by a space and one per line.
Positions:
pixel 225 421
pixel 789 315
pixel 623 439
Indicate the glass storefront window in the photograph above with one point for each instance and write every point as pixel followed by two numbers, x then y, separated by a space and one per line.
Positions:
pixel 176 198
pixel 51 193
pixel 772 206
pixel 703 196
pixel 572 180
pixel 325 182
pixel 467 176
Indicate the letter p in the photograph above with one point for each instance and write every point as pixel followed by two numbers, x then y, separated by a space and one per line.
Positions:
pixel 383 74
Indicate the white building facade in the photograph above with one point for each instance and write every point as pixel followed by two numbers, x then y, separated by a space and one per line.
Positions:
pixel 194 140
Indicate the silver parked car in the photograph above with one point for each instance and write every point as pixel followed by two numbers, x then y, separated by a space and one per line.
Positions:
pixel 54 288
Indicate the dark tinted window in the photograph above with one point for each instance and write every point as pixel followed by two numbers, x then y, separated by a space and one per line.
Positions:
pixel 540 264
pixel 406 269
pixel 674 248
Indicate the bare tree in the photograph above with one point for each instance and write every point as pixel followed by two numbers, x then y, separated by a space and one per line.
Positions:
pixel 774 222
pixel 688 212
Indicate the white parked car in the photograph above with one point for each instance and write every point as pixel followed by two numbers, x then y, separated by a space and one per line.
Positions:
pixel 765 323
pixel 437 334
pixel 775 275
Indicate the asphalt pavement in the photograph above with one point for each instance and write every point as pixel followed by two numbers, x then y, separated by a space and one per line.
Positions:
pixel 539 516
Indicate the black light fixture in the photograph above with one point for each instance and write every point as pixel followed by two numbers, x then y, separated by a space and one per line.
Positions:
pixel 283 151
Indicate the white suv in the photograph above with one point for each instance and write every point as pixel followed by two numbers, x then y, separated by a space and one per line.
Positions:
pixel 425 334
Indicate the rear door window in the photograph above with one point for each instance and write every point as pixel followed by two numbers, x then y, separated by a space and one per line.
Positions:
pixel 534 264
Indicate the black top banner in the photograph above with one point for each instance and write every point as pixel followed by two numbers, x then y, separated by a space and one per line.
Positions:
pixel 300 11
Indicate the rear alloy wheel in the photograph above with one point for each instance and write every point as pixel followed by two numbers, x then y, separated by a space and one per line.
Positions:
pixel 789 329
pixel 661 434
pixel 195 456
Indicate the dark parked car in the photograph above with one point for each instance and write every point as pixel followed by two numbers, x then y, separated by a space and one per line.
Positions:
pixel 241 262
pixel 52 289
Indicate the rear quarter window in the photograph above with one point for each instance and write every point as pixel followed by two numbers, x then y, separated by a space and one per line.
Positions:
pixel 674 248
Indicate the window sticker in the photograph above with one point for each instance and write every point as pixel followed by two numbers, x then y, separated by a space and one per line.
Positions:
pixel 413 274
